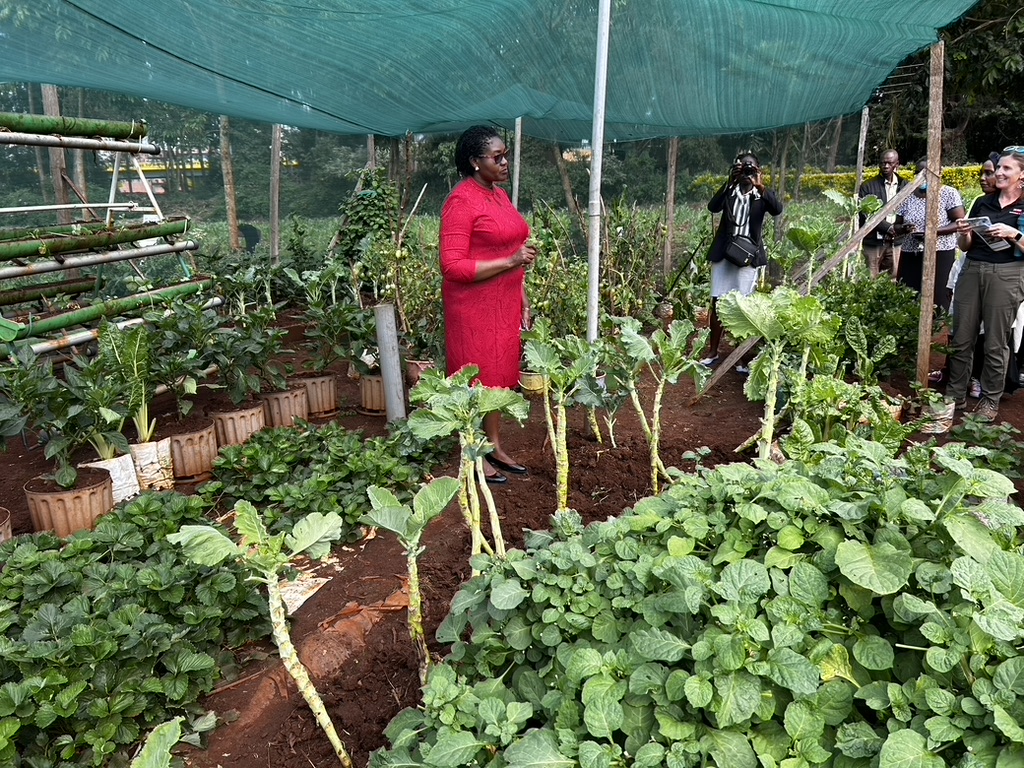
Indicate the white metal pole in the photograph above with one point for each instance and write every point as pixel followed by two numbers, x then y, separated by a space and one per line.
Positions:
pixel 604 15
pixel 516 154
pixel 108 257
pixel 275 194
pixel 390 361
pixel 76 142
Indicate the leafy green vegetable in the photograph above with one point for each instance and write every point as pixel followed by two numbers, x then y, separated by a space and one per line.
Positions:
pixel 845 609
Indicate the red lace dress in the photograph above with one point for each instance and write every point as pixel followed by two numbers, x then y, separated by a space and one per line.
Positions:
pixel 482 319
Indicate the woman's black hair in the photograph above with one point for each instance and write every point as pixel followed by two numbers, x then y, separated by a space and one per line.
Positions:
pixel 472 143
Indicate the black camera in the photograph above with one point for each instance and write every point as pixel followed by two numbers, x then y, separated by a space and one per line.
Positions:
pixel 749 169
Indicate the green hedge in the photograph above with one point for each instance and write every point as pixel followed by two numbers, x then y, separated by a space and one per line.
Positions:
pixel 962 177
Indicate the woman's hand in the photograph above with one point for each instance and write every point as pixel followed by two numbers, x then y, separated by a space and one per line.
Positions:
pixel 527 318
pixel 524 257
pixel 963 234
pixel 1004 231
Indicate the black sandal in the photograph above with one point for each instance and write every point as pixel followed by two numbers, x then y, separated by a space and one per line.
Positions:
pixel 515 469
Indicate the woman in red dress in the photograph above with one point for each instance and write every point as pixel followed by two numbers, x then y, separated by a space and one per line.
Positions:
pixel 483 264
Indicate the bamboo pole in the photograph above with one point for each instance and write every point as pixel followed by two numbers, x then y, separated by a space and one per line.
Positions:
pixel 104 308
pixel 47 290
pixel 934 175
pixel 73 126
pixel 46 246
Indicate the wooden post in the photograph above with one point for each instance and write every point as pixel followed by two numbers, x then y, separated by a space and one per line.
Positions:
pixel 58 163
pixel 861 142
pixel 934 176
pixel 371 152
pixel 275 194
pixel 228 170
pixel 670 206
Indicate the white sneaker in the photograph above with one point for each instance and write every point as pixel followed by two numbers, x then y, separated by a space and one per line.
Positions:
pixel 742 370
pixel 974 389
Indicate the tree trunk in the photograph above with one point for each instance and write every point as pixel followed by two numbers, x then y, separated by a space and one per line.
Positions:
pixel 371 152
pixel 275 195
pixel 563 174
pixel 670 207
pixel 40 165
pixel 78 155
pixel 833 150
pixel 780 185
pixel 228 168
pixel 801 160
pixel 58 164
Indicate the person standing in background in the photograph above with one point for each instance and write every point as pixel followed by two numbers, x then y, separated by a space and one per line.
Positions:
pixel 990 287
pixel 743 202
pixel 484 257
pixel 878 252
pixel 914 211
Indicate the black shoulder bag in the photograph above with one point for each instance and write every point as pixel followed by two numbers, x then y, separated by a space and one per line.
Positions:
pixel 741 251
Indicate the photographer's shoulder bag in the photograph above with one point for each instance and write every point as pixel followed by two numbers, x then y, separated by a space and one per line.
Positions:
pixel 741 251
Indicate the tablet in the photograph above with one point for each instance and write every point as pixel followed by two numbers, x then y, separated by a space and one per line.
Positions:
pixel 979 223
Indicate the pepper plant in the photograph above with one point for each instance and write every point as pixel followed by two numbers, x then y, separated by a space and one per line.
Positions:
pixel 666 356
pixel 270 556
pixel 408 525
pixel 455 405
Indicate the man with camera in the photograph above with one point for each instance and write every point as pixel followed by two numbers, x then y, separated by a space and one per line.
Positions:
pixel 737 249
pixel 878 248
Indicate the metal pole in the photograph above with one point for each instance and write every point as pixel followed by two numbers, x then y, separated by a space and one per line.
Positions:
pixel 390 361
pixel 74 142
pixel 129 206
pixel 72 262
pixel 604 15
pixel 517 152
pixel 275 195
pixel 145 185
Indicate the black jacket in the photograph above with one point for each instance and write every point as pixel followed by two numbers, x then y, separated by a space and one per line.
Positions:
pixel 767 203
pixel 876 187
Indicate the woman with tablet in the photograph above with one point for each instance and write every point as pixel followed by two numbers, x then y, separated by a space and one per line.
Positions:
pixel 990 287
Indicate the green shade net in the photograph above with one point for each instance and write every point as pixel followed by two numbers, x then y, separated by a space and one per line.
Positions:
pixel 676 67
